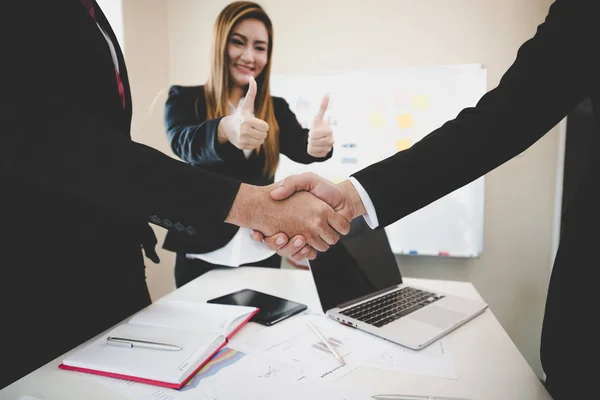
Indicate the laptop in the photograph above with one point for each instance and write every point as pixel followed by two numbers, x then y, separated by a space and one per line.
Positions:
pixel 359 284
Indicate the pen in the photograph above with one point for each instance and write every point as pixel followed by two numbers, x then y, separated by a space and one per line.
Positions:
pixel 413 397
pixel 125 342
pixel 326 342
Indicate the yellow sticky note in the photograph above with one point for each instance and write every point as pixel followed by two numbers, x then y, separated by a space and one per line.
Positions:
pixel 420 102
pixel 376 119
pixel 405 121
pixel 403 144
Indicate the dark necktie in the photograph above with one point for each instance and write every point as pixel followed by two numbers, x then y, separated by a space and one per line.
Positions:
pixel 89 5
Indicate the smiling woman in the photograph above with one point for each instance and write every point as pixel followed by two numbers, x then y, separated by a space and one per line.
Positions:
pixel 233 126
pixel 247 53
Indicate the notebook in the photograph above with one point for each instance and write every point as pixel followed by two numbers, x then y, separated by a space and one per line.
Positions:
pixel 199 330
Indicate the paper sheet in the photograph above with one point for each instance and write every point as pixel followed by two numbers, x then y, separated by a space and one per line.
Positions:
pixel 242 249
pixel 434 360
pixel 299 391
pixel 229 367
pixel 243 388
pixel 293 343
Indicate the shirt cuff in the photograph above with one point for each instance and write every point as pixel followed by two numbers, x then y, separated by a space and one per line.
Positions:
pixel 371 216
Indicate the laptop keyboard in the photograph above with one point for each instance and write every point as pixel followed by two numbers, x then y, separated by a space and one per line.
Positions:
pixel 385 309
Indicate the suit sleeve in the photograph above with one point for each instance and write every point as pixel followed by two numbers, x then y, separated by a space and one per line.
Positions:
pixel 293 139
pixel 48 138
pixel 193 140
pixel 549 77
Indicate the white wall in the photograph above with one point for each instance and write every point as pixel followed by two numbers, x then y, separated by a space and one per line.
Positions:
pixel 513 272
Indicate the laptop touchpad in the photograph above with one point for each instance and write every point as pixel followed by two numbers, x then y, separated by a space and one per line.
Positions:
pixel 437 316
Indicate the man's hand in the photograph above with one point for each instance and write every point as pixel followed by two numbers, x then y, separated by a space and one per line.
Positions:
pixel 242 129
pixel 320 136
pixel 343 198
pixel 301 214
pixel 295 249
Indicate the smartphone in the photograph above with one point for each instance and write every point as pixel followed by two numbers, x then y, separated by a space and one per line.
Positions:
pixel 272 309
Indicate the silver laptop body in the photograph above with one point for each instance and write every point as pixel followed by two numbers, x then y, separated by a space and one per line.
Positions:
pixel 359 284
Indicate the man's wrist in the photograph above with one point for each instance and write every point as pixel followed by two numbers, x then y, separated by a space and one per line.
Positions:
pixel 353 199
pixel 243 206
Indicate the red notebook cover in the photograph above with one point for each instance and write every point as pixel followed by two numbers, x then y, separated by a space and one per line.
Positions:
pixel 154 382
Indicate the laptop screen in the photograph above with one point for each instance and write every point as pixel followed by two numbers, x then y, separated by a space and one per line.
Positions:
pixel 359 264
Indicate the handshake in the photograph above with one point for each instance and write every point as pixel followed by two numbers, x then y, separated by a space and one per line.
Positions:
pixel 299 215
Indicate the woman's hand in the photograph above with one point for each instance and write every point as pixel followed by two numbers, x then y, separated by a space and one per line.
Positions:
pixel 242 129
pixel 320 136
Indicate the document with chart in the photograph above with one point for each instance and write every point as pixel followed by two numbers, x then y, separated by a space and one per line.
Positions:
pixel 294 344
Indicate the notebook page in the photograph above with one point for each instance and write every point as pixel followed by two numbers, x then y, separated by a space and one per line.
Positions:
pixel 207 317
pixel 160 365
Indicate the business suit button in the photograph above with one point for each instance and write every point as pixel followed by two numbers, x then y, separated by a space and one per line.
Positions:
pixel 155 219
pixel 190 230
pixel 179 227
pixel 167 223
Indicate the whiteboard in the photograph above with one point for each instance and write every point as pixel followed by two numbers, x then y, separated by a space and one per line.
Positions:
pixel 375 113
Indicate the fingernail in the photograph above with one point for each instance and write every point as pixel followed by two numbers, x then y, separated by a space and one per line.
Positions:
pixel 280 240
pixel 304 251
pixel 298 242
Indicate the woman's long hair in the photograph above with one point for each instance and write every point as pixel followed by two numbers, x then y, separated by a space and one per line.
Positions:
pixel 216 92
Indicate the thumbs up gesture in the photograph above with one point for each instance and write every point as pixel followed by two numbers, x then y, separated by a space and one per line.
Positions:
pixel 320 136
pixel 242 129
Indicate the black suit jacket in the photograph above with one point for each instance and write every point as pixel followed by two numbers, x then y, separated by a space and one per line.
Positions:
pixel 77 192
pixel 193 138
pixel 553 72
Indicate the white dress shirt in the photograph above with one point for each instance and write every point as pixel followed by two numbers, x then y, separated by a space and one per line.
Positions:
pixel 371 215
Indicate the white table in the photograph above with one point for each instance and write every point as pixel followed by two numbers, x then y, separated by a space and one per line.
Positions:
pixel 488 364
